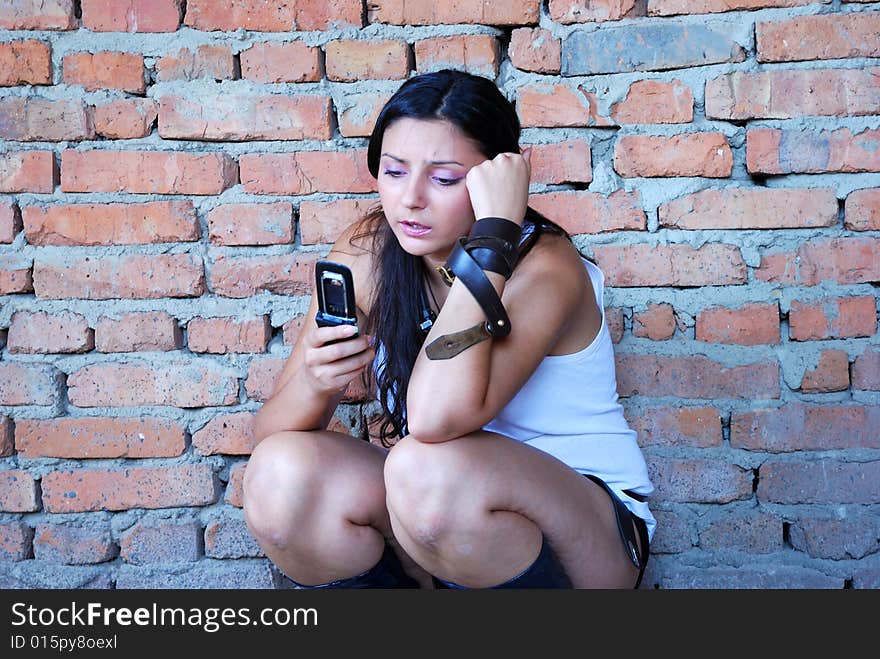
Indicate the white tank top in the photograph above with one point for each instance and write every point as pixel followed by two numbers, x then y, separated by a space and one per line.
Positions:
pixel 569 408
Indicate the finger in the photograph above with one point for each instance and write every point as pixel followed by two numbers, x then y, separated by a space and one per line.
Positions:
pixel 527 154
pixel 324 335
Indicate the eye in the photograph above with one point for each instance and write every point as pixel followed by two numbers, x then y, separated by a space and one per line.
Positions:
pixel 446 181
pixel 393 173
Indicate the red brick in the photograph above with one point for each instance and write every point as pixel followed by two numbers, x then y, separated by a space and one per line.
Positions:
pixel 132 277
pixel 291 329
pixel 44 333
pixel 111 224
pixel 282 62
pixel 261 377
pixel 126 118
pixel 655 102
pixel 800 427
pixel 750 325
pixel 229 335
pixel 774 151
pixel 751 208
pixel 698 480
pixel 671 7
pixel 305 172
pixel 137 332
pixel 352 61
pixel 161 541
pixel 147 172
pixel 289 274
pixel 358 116
pixel 96 437
pixel 698 427
pixel 582 212
pixel 830 374
pixel 230 539
pixel 28 384
pixel 862 210
pixel 226 434
pixel 38 15
pixel 751 531
pixel 673 534
pixel 234 494
pixel 28 171
pixel 561 162
pixel 73 545
pixel 866 370
pixel 588 11
pixel 115 16
pixel 121 489
pixel 10 221
pixel 6 436
pixel 557 106
pixel 29 119
pixel 324 221
pixel 535 49
pixel 206 61
pixel 838 36
pixel 15 541
pixel 475 53
pixel 105 70
pixel 429 12
pixel 656 323
pixel 193 383
pixel 819 481
pixel 689 154
pixel 251 15
pixel 614 320
pixel 329 14
pixel 712 264
pixel 695 377
pixel 850 537
pixel 245 117
pixel 833 318
pixel 251 224
pixel 784 94
pixel 844 260
pixel 25 63
pixel 19 492
pixel 15 275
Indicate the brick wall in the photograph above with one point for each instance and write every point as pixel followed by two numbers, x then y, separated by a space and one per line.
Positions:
pixel 170 171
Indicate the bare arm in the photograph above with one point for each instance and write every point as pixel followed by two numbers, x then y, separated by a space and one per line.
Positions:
pixel 316 375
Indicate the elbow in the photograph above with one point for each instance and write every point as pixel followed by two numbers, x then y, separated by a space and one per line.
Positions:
pixel 434 427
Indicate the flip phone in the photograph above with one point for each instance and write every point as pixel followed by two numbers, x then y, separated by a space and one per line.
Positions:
pixel 335 289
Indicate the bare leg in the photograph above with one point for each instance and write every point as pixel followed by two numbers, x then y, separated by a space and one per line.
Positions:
pixel 473 510
pixel 315 502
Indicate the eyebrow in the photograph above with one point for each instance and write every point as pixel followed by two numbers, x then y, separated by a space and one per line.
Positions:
pixel 430 162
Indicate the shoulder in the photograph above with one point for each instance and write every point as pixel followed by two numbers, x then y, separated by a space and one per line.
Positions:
pixel 554 266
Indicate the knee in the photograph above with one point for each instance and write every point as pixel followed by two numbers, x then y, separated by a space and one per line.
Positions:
pixel 281 482
pixel 420 489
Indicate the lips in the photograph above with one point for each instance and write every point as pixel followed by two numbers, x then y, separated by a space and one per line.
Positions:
pixel 414 229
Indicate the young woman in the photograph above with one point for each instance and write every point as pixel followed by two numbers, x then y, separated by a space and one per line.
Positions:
pixel 511 464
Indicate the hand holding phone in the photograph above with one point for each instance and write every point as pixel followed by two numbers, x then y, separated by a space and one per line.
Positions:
pixel 335 290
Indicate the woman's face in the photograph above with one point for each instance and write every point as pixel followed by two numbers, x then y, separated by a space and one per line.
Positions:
pixel 422 184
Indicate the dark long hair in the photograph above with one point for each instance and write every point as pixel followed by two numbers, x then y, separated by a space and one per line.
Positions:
pixel 477 107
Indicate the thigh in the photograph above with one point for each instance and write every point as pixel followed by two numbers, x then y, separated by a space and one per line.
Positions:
pixel 295 475
pixel 575 515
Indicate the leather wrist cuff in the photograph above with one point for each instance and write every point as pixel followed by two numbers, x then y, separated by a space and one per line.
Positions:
pixel 472 276
pixel 494 242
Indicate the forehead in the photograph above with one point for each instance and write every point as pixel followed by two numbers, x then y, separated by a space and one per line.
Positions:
pixel 429 139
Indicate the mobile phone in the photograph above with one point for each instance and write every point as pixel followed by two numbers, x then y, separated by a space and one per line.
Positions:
pixel 336 305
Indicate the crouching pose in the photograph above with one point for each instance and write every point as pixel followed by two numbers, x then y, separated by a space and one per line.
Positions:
pixel 506 461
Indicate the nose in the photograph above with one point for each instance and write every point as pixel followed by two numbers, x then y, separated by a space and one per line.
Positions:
pixel 414 194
